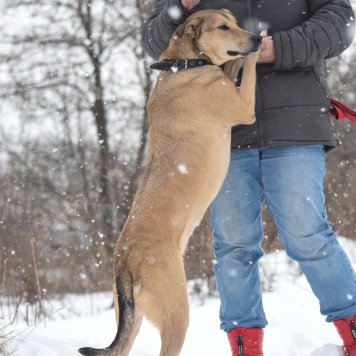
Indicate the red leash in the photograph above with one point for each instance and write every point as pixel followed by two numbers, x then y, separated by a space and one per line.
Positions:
pixel 341 111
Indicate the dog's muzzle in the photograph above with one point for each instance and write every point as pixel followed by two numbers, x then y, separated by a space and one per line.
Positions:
pixel 256 41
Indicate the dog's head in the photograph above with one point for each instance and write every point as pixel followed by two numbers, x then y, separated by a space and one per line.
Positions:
pixel 216 35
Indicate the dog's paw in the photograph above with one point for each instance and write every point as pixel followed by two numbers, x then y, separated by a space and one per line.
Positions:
pixel 254 56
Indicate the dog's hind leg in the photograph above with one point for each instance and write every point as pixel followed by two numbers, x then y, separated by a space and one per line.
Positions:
pixel 135 330
pixel 173 329
pixel 164 301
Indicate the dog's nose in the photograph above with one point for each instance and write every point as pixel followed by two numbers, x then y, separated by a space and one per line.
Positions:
pixel 256 39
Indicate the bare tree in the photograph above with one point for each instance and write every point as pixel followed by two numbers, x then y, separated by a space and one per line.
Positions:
pixel 341 173
pixel 64 67
pixel 72 164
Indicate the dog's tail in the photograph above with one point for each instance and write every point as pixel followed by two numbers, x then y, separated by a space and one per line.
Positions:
pixel 124 290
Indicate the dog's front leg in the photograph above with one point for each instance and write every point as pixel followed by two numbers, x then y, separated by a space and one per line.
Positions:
pixel 232 68
pixel 248 83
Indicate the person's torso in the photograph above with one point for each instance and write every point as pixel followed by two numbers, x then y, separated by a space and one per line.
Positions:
pixel 258 15
pixel 291 105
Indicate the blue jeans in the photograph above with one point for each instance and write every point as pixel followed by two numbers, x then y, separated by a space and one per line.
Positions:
pixel 290 180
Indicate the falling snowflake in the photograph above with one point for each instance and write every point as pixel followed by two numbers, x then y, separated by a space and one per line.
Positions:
pixel 182 168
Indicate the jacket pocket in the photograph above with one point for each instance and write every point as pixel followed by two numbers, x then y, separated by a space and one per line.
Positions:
pixel 323 86
pixel 291 88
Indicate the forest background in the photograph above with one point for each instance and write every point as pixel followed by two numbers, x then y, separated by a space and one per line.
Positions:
pixel 74 81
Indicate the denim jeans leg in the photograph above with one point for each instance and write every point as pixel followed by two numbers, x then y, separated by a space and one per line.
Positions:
pixel 237 235
pixel 293 180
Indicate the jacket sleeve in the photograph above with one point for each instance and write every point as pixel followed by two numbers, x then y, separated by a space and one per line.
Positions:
pixel 167 15
pixel 327 33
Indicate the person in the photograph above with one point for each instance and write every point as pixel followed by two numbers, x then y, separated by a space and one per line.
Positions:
pixel 278 160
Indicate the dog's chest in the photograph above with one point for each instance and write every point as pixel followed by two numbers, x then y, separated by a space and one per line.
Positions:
pixel 187 91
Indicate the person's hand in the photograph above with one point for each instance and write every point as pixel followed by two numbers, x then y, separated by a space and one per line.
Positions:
pixel 189 4
pixel 268 54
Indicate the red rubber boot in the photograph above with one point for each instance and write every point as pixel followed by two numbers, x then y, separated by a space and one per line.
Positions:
pixel 347 331
pixel 246 341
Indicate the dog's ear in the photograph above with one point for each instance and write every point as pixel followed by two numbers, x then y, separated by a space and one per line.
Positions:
pixel 191 27
pixel 180 30
pixel 227 12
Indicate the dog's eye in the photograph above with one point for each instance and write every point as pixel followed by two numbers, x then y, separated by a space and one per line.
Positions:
pixel 224 27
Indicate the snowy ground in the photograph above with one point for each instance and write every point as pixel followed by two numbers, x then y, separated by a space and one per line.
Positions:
pixel 295 326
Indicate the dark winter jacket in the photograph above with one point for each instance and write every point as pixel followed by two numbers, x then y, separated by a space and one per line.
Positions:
pixel 291 97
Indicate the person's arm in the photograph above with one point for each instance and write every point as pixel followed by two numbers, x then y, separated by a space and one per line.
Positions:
pixel 327 33
pixel 167 15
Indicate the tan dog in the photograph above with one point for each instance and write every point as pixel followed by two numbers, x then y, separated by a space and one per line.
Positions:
pixel 190 114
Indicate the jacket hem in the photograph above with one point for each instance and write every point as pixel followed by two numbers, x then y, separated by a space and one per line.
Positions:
pixel 329 144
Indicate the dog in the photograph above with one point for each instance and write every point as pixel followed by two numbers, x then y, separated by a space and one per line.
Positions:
pixel 190 115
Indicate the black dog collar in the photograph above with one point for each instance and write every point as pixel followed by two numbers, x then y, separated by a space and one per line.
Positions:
pixel 179 64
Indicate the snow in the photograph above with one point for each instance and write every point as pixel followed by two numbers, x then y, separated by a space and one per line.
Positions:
pixel 174 12
pixel 295 326
pixel 182 168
